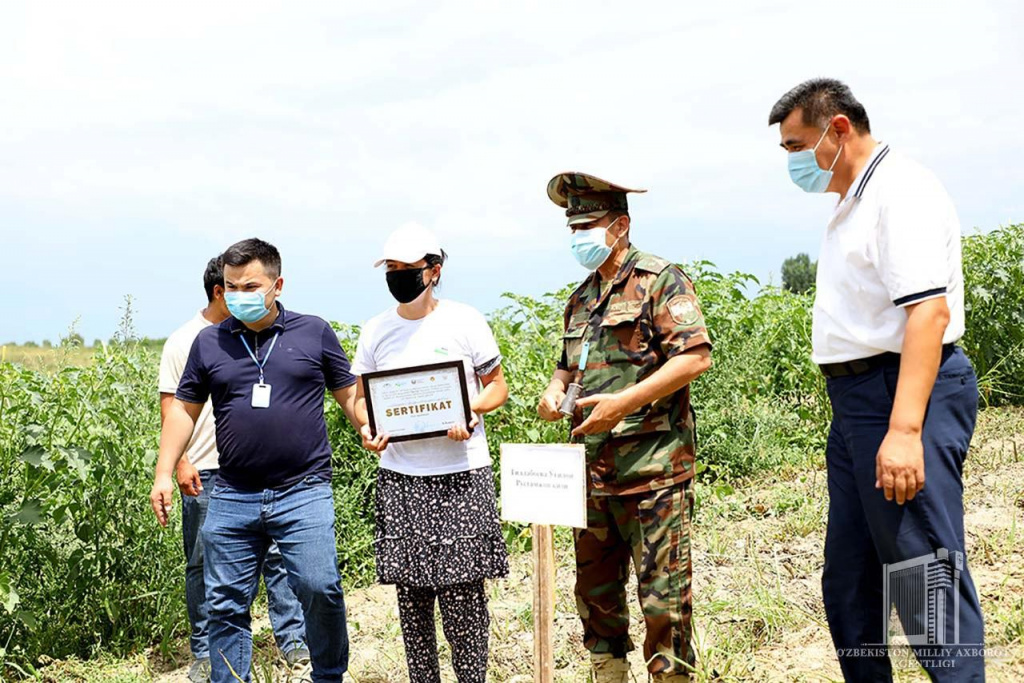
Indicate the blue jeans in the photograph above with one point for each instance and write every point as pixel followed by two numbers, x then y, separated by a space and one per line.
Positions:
pixel 866 531
pixel 239 529
pixel 285 611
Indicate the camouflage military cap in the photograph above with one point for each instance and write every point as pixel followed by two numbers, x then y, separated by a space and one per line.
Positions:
pixel 586 197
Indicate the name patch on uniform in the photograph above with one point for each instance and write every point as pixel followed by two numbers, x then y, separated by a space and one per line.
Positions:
pixel 618 307
pixel 683 310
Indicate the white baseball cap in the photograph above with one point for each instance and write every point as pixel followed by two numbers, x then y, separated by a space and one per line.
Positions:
pixel 409 244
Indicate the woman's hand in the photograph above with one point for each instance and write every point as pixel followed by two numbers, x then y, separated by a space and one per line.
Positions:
pixel 373 443
pixel 460 433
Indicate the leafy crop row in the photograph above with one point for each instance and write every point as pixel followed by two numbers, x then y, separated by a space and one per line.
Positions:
pixel 84 567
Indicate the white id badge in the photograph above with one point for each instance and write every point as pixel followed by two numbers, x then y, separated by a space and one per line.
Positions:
pixel 260 395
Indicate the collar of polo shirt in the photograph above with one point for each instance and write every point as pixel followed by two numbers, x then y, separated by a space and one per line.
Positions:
pixel 860 183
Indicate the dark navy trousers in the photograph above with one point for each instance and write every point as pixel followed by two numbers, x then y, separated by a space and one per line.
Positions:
pixel 866 531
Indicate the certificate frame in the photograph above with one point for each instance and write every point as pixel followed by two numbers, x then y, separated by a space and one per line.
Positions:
pixel 463 394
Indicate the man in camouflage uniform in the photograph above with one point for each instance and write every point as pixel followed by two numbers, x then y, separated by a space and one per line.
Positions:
pixel 637 321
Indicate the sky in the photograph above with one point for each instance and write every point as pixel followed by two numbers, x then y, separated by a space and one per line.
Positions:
pixel 138 140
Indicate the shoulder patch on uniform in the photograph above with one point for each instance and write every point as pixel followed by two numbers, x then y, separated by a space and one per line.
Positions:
pixel 683 310
pixel 652 263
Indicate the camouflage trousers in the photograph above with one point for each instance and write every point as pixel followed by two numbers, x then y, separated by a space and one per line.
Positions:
pixel 654 530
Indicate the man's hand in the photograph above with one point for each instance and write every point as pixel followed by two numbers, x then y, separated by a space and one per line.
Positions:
pixel 460 433
pixel 899 466
pixel 549 404
pixel 161 498
pixel 373 443
pixel 178 422
pixel 609 409
pixel 189 481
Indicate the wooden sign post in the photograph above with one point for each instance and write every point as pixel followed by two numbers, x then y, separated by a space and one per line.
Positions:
pixel 544 485
pixel 543 604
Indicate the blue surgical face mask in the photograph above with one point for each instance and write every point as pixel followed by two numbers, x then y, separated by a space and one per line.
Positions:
pixel 590 247
pixel 248 306
pixel 804 169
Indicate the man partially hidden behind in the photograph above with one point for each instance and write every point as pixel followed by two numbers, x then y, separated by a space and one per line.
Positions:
pixel 265 370
pixel 197 476
pixel 888 311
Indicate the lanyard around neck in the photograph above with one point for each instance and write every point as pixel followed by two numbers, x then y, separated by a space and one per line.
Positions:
pixel 256 360
pixel 595 330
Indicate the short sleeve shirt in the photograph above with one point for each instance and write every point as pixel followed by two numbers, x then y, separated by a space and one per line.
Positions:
pixel 278 446
pixel 892 242
pixel 202 447
pixel 452 331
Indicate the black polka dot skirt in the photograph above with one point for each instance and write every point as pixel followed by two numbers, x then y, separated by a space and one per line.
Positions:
pixel 438 530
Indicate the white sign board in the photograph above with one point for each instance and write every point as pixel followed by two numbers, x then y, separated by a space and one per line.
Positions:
pixel 544 484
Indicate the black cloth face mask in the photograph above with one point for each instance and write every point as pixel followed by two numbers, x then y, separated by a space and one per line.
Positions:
pixel 406 285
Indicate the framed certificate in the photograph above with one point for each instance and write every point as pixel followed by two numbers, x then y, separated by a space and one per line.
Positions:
pixel 420 402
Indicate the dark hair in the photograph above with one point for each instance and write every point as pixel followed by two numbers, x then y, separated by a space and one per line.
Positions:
pixel 821 99
pixel 435 260
pixel 253 249
pixel 213 276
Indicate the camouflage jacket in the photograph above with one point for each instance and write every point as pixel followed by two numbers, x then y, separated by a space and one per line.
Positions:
pixel 647 315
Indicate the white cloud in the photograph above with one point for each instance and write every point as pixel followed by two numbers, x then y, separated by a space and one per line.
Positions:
pixel 325 125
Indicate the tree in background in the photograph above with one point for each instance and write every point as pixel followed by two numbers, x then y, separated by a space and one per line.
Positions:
pixel 798 273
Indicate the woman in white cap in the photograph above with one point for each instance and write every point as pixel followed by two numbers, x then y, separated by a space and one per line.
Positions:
pixel 437 531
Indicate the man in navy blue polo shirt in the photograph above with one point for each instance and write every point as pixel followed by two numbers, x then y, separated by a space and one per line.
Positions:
pixel 265 370
pixel 888 311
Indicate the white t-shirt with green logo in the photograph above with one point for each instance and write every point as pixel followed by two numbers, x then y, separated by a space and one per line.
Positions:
pixel 202 447
pixel 452 331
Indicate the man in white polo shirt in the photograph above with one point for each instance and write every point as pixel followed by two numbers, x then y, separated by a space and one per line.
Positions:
pixel 888 311
pixel 197 475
